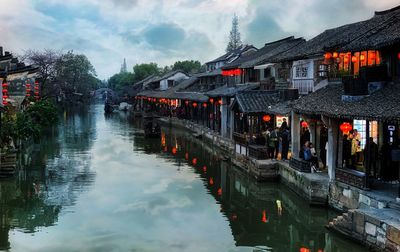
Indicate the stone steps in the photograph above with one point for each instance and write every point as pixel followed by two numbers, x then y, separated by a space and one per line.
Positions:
pixel 394 205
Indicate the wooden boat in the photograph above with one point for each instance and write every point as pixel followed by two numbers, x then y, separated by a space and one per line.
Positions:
pixel 108 108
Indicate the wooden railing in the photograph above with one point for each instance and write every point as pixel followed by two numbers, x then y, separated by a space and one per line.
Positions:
pixel 240 138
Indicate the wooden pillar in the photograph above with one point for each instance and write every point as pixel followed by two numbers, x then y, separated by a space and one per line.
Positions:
pixel 367 156
pixel 224 116
pixel 295 122
pixel 333 136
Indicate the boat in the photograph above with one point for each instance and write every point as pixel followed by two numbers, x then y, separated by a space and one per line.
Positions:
pixel 108 108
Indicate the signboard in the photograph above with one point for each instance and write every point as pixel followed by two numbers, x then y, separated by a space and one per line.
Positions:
pixel 279 120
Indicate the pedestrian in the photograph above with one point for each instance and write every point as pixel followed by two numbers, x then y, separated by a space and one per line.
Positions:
pixel 373 156
pixel 285 139
pixel 314 156
pixel 270 145
pixel 322 145
pixel 274 138
pixel 346 151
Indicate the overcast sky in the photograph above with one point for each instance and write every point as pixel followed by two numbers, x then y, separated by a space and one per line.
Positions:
pixel 164 31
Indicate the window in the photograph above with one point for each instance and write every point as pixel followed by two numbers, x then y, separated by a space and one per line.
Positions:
pixel 301 71
pixel 267 72
pixel 360 126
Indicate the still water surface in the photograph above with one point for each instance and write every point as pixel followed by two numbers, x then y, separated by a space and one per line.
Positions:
pixel 96 184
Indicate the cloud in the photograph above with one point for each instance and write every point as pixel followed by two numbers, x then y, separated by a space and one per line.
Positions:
pixel 156 206
pixel 164 31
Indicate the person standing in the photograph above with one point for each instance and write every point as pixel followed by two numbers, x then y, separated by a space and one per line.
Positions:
pixel 285 138
pixel 275 140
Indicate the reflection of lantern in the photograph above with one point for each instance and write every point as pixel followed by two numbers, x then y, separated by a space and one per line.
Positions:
pixel 204 169
pixel 354 59
pixel 165 149
pixel 328 55
pixel 266 118
pixel 219 191
pixel 304 124
pixel 211 181
pixel 194 161
pixel 398 56
pixel 174 150
pixel 186 156
pixel 335 55
pixel 304 249
pixel 234 217
pixel 187 102
pixel 264 217
pixel 346 127
pixel 362 57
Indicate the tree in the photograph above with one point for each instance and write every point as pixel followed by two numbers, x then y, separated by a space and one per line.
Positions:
pixel 74 73
pixel 188 66
pixel 142 71
pixel 120 80
pixel 234 36
pixel 46 61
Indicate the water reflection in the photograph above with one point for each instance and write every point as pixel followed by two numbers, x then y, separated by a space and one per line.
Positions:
pixel 98 182
pixel 51 176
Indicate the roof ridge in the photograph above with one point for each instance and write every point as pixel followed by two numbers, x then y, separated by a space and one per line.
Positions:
pixel 377 13
pixel 280 40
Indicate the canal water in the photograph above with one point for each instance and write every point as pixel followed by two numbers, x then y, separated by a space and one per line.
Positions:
pixel 96 184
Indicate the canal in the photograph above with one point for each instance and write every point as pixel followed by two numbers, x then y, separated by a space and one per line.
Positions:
pixel 95 184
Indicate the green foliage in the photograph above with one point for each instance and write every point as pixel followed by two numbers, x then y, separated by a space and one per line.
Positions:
pixel 142 71
pixel 32 122
pixel 189 66
pixel 120 80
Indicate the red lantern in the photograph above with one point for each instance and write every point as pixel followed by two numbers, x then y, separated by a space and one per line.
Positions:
pixel 354 59
pixel 264 216
pixel 211 181
pixel 335 55
pixel 304 124
pixel 194 161
pixel 187 156
pixel 187 102
pixel 194 104
pixel 211 100
pixel 398 56
pixel 372 55
pixel 346 59
pixel 266 118
pixel 204 105
pixel 304 249
pixel 220 102
pixel 328 56
pixel 346 127
pixel 362 57
pixel 204 169
pixel 219 191
pixel 174 150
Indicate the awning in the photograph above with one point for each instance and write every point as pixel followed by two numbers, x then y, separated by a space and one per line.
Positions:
pixel 264 66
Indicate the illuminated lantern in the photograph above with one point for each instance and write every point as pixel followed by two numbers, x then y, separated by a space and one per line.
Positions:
pixel 194 104
pixel 398 56
pixel 194 161
pixel 37 90
pixel 354 59
pixel 304 124
pixel 335 55
pixel 204 105
pixel 211 100
pixel 220 102
pixel 266 118
pixel 187 102
pixel 174 150
pixel 187 156
pixel 362 57
pixel 149 99
pixel 264 217
pixel 328 56
pixel 372 55
pixel 346 59
pixel 346 127
pixel 320 250
pixel 211 181
pixel 304 249
pixel 165 149
pixel 204 169
pixel 219 191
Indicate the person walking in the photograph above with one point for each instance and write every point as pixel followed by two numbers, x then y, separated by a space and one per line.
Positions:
pixel 285 138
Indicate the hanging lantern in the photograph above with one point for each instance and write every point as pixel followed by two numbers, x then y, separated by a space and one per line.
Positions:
pixel 335 55
pixel 362 57
pixel 372 55
pixel 266 118
pixel 37 90
pixel 346 59
pixel 187 103
pixel 398 56
pixel 194 104
pixel 328 55
pixel 346 127
pixel 304 124
pixel 219 191
pixel 303 249
pixel 194 161
pixel 174 150
pixel 187 156
pixel 211 100
pixel 211 181
pixel 264 216
pixel 354 59
pixel 204 105
pixel 220 101
pixel 204 169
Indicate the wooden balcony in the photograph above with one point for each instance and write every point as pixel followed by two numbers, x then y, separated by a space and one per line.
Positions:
pixel 305 86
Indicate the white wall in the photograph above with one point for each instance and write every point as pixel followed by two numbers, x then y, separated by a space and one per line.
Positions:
pixel 176 77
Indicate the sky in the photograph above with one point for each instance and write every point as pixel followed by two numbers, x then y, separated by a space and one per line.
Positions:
pixel 165 31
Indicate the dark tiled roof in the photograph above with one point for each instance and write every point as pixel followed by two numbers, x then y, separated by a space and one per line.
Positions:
pixel 256 101
pixel 381 105
pixel 335 38
pixel 206 74
pixel 282 108
pixel 231 91
pixel 264 54
pixel 233 53
pixel 168 75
